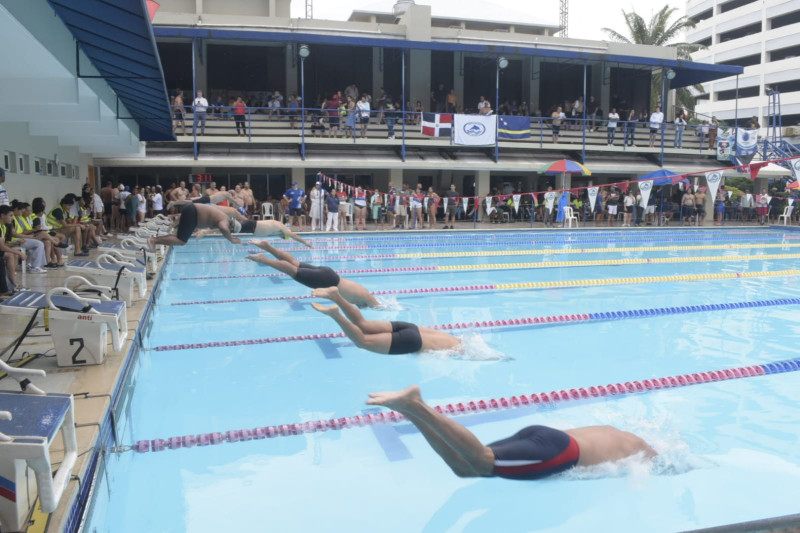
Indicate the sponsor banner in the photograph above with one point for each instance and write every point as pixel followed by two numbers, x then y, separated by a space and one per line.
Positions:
pixel 474 130
pixel 645 188
pixel 725 143
pixel 713 179
pixel 593 196
pixel 746 144
pixel 516 198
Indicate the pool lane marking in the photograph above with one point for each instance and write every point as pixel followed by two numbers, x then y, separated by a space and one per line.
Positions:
pixel 490 243
pixel 511 322
pixel 548 251
pixel 519 266
pixel 542 399
pixel 529 285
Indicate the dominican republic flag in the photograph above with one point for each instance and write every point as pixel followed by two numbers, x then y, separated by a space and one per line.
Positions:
pixel 437 124
pixel 514 127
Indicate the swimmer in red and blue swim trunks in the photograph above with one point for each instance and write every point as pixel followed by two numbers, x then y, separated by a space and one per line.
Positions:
pixel 532 453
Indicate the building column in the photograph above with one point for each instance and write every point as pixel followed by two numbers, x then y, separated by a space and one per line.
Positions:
pixel 298 175
pixel 201 71
pixel 533 74
pixel 377 74
pixel 458 77
pixel 292 72
pixel 604 86
pixel 419 76
pixel 482 187
pixel 396 177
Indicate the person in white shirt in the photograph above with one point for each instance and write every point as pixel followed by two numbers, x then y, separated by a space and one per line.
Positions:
pixel 122 195
pixel 746 203
pixel 317 195
pixel 200 107
pixel 656 120
pixel 363 114
pixel 630 201
pixel 613 117
pixel 141 205
pixel 158 201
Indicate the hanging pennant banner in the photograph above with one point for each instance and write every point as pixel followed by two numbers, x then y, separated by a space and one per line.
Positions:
pixel 516 198
pixel 790 200
pixel 713 179
pixel 488 204
pixel 730 193
pixel 445 204
pixel 695 188
pixel 645 187
pixel 465 202
pixel 592 196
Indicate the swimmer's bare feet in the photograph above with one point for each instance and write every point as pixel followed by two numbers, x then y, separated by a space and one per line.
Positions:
pixel 329 293
pixel 258 258
pixel 264 245
pixel 401 401
pixel 329 310
pixel 151 244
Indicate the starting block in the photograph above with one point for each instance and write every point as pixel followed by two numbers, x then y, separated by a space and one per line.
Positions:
pixel 28 426
pixel 80 327
pixel 129 279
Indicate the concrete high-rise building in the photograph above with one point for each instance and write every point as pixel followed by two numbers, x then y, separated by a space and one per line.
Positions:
pixel 763 36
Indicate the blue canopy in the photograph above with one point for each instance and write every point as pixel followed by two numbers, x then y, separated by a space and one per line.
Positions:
pixel 659 177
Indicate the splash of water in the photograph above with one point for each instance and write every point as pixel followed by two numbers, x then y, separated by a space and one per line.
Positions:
pixel 388 303
pixel 473 347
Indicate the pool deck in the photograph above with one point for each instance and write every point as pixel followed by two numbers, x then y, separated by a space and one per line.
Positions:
pixel 92 386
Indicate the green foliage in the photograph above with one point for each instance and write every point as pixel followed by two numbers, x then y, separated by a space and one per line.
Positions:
pixel 659 32
pixel 740 183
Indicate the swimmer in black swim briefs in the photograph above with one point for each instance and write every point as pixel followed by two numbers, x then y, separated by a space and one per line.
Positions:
pixel 532 453
pixel 381 336
pixel 314 277
pixel 195 216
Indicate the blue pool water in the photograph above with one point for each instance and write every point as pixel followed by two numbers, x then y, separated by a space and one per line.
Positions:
pixel 732 446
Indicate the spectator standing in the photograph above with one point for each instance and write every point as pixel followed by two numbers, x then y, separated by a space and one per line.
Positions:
pixel 332 203
pixel 363 114
pixel 158 202
pixel 630 128
pixel 200 108
pixel 712 133
pixel 612 202
pixel 239 111
pixel 680 125
pixel 360 204
pixel 378 210
pixel 452 206
pixel 317 195
pixel 295 197
pixel 746 203
pixel 656 122
pixel 344 207
pixel 613 117
pixel 592 108
pixel 452 101
pixel 178 113
pixel 332 107
pixel 557 117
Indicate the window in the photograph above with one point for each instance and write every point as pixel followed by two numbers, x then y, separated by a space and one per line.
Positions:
pixel 786 86
pixel 705 42
pixel 784 53
pixel 785 20
pixel 745 61
pixel 7 159
pixel 703 16
pixel 744 92
pixel 733 4
pixel 62 171
pixel 37 166
pixel 738 33
pixel 49 168
pixel 22 164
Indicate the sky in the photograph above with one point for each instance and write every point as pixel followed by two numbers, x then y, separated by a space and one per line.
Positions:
pixel 586 17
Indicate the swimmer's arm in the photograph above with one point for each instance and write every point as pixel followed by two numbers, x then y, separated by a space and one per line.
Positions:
pixel 289 233
pixel 226 232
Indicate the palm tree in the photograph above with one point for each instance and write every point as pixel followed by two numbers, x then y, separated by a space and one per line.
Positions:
pixel 660 32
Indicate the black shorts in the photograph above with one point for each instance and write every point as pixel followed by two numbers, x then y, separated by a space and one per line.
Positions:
pixel 556 130
pixel 534 452
pixel 688 211
pixel 364 120
pixel 629 209
pixel 107 208
pixel 405 338
pixel 249 226
pixel 188 222
pixel 295 211
pixel 205 199
pixel 316 277
pixel 333 122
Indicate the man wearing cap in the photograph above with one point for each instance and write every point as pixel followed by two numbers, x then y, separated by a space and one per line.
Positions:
pixel 317 195
pixel 295 196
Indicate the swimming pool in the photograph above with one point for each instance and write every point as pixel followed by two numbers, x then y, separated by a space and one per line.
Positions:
pixel 221 355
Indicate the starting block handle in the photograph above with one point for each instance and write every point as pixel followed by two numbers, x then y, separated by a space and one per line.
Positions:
pixel 64 291
pixel 85 284
pixel 108 258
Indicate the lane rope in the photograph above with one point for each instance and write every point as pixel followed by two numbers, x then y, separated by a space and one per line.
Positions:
pixel 548 251
pixel 492 243
pixel 511 322
pixel 520 266
pixel 528 285
pixel 541 400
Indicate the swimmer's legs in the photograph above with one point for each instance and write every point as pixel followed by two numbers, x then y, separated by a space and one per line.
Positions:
pixel 356 293
pixel 283 256
pixel 461 450
pixel 281 266
pixel 374 342
pixel 352 312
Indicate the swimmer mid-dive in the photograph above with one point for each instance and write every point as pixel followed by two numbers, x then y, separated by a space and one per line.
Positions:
pixel 216 198
pixel 381 336
pixel 259 228
pixel 314 277
pixel 195 216
pixel 532 453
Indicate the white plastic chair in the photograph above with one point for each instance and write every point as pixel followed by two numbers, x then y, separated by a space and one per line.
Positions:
pixel 787 214
pixel 569 216
pixel 266 211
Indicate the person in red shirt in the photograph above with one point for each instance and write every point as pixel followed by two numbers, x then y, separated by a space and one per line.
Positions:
pixel 239 112
pixel 332 107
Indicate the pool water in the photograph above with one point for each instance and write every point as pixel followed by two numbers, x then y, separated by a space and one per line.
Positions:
pixel 729 449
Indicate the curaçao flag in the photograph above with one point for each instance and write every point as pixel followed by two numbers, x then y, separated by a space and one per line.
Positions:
pixel 512 127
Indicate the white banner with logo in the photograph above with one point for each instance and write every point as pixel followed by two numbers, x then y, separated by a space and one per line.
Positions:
pixel 592 196
pixel 489 205
pixel 713 179
pixel 516 199
pixel 746 144
pixel 444 204
pixel 645 187
pixel 465 202
pixel 474 130
pixel 795 164
pixel 725 143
